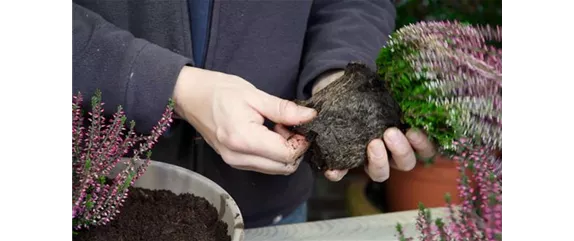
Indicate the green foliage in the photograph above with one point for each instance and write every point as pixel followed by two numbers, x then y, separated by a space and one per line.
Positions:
pixel 96 150
pixel 400 231
pixel 410 92
pixel 447 82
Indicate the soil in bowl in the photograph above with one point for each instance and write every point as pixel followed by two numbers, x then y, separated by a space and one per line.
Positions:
pixel 161 215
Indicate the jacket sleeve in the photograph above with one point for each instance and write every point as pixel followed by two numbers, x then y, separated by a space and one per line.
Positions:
pixel 129 71
pixel 340 32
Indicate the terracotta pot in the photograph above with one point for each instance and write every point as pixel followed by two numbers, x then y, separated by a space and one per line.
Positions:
pixel 426 184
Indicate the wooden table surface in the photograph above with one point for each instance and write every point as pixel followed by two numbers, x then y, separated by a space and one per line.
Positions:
pixel 372 227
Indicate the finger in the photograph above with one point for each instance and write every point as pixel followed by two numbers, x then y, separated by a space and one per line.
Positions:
pixel 283 131
pixel 291 136
pixel 378 162
pixel 284 147
pixel 257 140
pixel 335 175
pixel 403 156
pixel 281 111
pixel 260 164
pixel 420 142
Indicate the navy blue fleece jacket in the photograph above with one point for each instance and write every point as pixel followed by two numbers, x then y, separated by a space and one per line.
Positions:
pixel 133 51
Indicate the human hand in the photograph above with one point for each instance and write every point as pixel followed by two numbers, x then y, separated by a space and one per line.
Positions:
pixel 402 147
pixel 229 113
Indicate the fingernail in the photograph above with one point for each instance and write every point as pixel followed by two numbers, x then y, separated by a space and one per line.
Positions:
pixel 378 149
pixel 335 175
pixel 308 112
pixel 393 135
pixel 338 175
pixel 415 136
pixel 380 179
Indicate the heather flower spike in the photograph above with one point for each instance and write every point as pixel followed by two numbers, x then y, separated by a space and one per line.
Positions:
pixel 448 81
pixel 447 78
pixel 96 151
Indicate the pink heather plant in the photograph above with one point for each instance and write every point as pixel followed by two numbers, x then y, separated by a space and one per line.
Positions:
pixel 96 151
pixel 480 215
pixel 447 79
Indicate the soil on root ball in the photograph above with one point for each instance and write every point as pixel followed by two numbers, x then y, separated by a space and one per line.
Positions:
pixel 161 215
pixel 352 111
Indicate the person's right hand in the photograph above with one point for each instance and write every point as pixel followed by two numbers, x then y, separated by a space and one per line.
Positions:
pixel 229 113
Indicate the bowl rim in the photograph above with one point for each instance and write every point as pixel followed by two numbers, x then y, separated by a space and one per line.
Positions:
pixel 238 228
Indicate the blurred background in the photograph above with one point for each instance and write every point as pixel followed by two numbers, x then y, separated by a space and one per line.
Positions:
pixel 356 195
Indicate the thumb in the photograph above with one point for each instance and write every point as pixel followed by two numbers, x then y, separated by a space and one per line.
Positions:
pixel 282 111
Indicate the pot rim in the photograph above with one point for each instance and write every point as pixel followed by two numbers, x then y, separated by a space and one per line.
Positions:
pixel 238 228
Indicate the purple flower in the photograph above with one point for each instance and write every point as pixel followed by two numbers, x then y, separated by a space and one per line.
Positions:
pixel 459 77
pixel 95 152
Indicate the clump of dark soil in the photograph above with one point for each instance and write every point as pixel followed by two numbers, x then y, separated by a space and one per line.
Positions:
pixel 352 111
pixel 161 215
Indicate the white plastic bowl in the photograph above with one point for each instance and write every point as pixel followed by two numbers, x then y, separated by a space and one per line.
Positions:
pixel 165 176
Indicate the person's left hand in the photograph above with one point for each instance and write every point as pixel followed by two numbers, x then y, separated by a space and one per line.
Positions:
pixel 401 146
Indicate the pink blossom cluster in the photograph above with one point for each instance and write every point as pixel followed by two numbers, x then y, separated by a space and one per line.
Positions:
pixel 479 216
pixel 462 70
pixel 96 151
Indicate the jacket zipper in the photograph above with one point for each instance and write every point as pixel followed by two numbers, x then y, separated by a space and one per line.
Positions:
pixel 207 33
pixel 199 141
